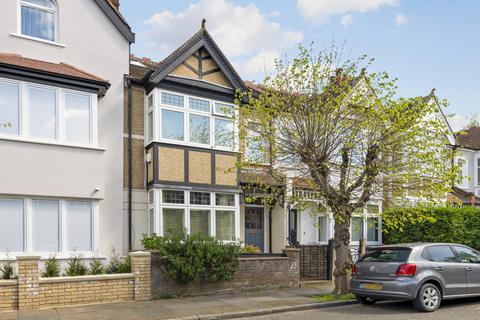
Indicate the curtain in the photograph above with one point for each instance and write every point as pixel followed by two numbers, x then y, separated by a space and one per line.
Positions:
pixel 38 23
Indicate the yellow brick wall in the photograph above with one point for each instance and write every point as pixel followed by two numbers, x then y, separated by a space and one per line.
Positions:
pixel 8 295
pixel 54 292
pixel 225 170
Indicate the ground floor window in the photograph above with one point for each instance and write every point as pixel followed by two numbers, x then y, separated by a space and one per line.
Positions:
pixel 46 226
pixel 211 213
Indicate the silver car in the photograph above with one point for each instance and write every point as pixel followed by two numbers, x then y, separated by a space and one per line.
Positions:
pixel 425 273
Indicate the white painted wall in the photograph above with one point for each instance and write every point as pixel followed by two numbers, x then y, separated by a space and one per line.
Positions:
pixel 91 42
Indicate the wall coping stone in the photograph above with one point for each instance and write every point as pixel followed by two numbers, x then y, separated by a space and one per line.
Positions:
pixel 99 277
pixel 262 258
pixel 140 254
pixel 8 283
pixel 25 258
pixel 292 249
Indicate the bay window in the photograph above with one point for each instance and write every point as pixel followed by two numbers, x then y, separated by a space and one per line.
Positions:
pixel 323 229
pixel 195 212
pixel 366 224
pixel 47 114
pixel 38 19
pixel 372 229
pixel 182 119
pixel 47 226
pixel 357 228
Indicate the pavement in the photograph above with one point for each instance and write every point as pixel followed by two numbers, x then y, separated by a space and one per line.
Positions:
pixel 462 309
pixel 203 307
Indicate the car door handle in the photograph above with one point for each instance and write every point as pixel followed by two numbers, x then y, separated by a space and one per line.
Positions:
pixel 469 269
pixel 439 268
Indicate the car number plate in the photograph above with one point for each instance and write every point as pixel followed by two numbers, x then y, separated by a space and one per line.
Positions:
pixel 371 286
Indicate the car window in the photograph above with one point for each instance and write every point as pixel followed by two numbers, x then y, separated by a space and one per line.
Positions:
pixel 467 254
pixel 439 254
pixel 386 255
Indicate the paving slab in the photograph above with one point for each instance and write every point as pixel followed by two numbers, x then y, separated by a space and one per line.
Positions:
pixel 224 306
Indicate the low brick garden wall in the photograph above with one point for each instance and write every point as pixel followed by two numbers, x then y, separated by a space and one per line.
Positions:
pixel 262 272
pixel 30 291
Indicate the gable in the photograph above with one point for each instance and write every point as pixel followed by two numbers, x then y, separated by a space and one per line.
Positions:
pixel 201 66
pixel 117 19
pixel 199 58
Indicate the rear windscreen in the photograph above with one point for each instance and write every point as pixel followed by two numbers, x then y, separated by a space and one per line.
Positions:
pixel 386 255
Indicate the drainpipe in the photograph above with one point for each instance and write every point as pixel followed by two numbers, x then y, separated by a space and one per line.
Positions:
pixel 270 210
pixel 130 162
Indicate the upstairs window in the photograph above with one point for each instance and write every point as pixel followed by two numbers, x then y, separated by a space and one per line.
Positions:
pixel 38 19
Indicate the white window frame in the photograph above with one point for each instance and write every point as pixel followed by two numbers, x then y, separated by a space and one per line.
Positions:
pixel 463 171
pixel 23 3
pixel 365 215
pixel 186 206
pixel 157 108
pixel 60 94
pixel 63 253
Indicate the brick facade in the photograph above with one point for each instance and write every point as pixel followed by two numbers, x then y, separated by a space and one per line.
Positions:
pixel 30 291
pixel 254 272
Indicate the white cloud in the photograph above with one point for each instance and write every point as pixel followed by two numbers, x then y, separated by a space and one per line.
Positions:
pixel 459 122
pixel 244 33
pixel 319 11
pixel 346 20
pixel 401 20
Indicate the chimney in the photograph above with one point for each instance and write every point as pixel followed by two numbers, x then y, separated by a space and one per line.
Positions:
pixel 115 3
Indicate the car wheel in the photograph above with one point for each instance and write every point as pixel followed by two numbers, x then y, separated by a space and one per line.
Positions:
pixel 428 298
pixel 366 300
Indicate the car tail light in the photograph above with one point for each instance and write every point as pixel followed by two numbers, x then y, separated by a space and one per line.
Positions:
pixel 406 270
pixel 354 269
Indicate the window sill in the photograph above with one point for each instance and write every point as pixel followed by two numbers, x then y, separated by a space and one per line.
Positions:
pixel 58 255
pixel 53 43
pixel 50 143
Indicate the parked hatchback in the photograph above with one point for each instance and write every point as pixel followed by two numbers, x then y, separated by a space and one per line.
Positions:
pixel 425 273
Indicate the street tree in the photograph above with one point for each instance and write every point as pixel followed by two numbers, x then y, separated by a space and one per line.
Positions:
pixel 345 130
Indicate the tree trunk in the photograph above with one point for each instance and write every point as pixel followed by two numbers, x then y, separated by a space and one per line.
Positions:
pixel 343 256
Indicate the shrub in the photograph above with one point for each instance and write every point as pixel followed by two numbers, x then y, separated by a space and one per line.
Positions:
pixel 7 270
pixel 51 268
pixel 75 267
pixel 192 257
pixel 251 249
pixel 433 224
pixel 96 267
pixel 119 264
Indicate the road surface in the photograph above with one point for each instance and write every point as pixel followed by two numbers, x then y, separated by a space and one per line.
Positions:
pixel 450 310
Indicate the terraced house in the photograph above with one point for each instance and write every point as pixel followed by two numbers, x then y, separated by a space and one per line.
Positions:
pixel 181 143
pixel 62 67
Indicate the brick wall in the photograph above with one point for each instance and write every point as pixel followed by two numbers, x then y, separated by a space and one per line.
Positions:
pixel 30 291
pixel 64 291
pixel 262 272
pixel 8 295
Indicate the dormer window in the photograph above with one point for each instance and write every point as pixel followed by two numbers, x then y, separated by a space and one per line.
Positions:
pixel 38 19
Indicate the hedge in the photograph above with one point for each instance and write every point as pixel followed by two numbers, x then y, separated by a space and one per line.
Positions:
pixel 433 224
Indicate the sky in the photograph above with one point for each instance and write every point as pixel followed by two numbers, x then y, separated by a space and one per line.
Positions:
pixel 424 43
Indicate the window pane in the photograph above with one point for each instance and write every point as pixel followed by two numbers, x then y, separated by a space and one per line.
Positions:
pixel 173 196
pixel 323 228
pixel 43 113
pixel 440 254
pixel 11 226
pixel 225 225
pixel 172 125
pixel 38 23
pixel 257 149
pixel 150 197
pixel 172 221
pixel 225 199
pixel 372 229
pixel 45 226
pixel 224 133
pixel 77 118
pixel 478 171
pixel 224 109
pixel 79 226
pixel 200 198
pixel 200 221
pixel 44 3
pixel 467 254
pixel 200 105
pixel 150 100
pixel 199 129
pixel 357 228
pixel 150 126
pixel 172 100
pixel 151 221
pixel 9 108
